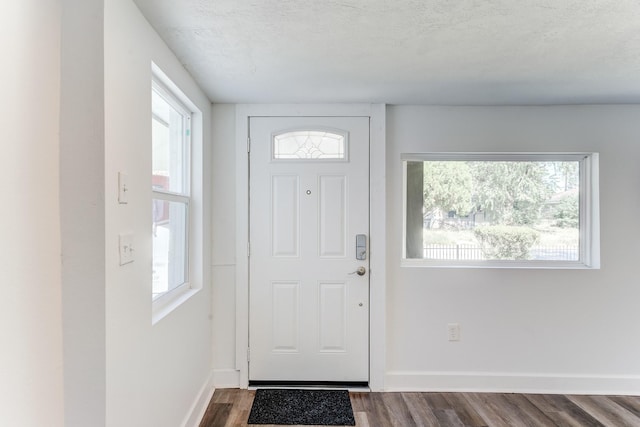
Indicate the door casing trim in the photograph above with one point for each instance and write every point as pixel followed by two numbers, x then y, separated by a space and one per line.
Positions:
pixel 377 209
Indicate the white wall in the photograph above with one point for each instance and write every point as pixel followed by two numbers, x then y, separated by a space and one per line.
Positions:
pixel 82 211
pixel 230 287
pixel 154 373
pixel 224 244
pixel 522 330
pixel 541 330
pixel 31 382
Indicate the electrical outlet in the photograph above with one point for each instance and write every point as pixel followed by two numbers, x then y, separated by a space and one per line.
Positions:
pixel 453 331
pixel 126 248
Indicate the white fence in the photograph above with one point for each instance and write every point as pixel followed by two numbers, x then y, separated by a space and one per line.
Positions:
pixel 474 253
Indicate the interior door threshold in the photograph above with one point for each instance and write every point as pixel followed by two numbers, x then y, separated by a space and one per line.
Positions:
pixel 354 386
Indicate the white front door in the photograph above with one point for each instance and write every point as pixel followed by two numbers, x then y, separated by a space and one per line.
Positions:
pixel 309 199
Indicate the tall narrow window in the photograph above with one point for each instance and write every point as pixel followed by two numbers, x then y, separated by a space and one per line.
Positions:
pixel 501 209
pixel 171 136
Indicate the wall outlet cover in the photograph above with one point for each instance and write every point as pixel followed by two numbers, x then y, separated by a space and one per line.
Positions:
pixel 126 248
pixel 453 331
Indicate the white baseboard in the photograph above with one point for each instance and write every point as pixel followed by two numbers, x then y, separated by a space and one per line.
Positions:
pixel 226 378
pixel 197 410
pixel 512 383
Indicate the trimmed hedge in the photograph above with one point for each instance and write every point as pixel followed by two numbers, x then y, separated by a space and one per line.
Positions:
pixel 506 242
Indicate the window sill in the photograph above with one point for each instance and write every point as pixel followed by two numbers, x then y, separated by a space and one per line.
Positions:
pixel 165 304
pixel 550 265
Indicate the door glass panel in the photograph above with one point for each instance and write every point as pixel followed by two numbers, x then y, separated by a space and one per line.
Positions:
pixel 309 145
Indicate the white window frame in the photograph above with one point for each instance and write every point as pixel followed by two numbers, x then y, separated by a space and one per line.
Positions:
pixel 589 257
pixel 167 302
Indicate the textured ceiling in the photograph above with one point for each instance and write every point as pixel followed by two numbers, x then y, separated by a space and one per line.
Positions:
pixel 406 51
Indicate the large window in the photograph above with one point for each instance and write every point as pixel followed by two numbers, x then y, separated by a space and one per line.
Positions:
pixel 171 160
pixel 501 209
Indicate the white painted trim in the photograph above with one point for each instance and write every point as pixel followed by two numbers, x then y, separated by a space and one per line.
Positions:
pixel 226 378
pixel 512 383
pixel 589 209
pixel 164 305
pixel 197 410
pixel 197 200
pixel 377 114
pixel 378 241
pixel 243 113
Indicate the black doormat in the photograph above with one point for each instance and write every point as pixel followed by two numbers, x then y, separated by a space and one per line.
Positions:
pixel 303 407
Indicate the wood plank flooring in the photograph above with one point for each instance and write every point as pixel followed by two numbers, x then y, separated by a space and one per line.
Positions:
pixel 230 408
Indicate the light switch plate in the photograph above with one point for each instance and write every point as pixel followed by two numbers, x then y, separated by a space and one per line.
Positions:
pixel 123 188
pixel 126 248
pixel 453 331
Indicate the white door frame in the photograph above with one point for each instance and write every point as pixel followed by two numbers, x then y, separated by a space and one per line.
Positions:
pixel 377 179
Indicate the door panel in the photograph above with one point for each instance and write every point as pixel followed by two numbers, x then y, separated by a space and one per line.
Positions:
pixel 285 216
pixel 309 198
pixel 286 313
pixel 333 319
pixel 332 222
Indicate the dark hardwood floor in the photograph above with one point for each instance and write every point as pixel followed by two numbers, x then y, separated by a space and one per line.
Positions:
pixel 230 407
